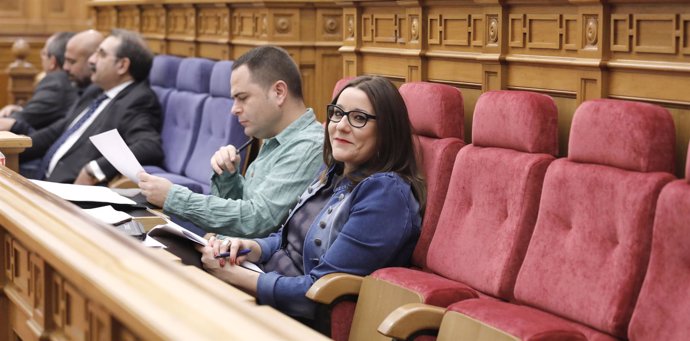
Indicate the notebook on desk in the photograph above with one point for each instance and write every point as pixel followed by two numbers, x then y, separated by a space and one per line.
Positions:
pixel 181 242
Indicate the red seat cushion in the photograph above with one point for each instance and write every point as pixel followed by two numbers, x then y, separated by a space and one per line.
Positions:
pixel 435 290
pixel 528 324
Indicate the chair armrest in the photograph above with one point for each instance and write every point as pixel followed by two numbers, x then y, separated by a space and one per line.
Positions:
pixel 328 288
pixel 120 181
pixel 411 318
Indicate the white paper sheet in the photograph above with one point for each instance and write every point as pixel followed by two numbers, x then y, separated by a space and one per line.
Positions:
pixel 128 192
pixel 180 231
pixel 150 242
pixel 108 215
pixel 116 151
pixel 71 192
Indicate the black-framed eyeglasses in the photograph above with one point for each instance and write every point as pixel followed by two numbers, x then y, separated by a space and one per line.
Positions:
pixel 356 118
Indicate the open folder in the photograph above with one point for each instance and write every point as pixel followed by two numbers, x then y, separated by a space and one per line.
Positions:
pixel 170 228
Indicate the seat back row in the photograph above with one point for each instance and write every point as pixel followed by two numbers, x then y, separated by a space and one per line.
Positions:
pixel 196 117
pixel 582 224
pixel 488 213
pixel 609 251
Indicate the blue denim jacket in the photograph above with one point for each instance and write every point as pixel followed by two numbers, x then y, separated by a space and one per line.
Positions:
pixel 375 225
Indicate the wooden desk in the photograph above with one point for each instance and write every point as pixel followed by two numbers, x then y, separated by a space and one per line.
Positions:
pixel 66 276
pixel 11 145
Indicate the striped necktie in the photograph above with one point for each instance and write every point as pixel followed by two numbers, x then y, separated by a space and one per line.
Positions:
pixel 45 162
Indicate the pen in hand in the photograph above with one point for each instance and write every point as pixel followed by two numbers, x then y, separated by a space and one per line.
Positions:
pixel 239 253
pixel 245 145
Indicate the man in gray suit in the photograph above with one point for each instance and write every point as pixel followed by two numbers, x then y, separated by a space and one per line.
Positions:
pixel 53 94
pixel 66 77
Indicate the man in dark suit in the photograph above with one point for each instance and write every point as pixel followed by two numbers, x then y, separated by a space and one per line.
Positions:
pixel 53 94
pixel 119 98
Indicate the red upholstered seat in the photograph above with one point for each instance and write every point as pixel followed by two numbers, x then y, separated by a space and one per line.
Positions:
pixel 490 209
pixel 437 118
pixel 663 306
pixel 340 84
pixel 436 115
pixel 591 244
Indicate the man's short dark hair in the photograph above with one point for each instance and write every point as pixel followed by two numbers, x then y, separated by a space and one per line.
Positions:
pixel 269 64
pixel 133 47
pixel 56 47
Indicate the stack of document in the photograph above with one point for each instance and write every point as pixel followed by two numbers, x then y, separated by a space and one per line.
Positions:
pixel 71 192
pixel 108 215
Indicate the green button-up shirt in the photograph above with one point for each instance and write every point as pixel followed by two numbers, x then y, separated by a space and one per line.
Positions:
pixel 255 205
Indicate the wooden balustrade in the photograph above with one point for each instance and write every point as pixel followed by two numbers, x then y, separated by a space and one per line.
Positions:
pixel 65 276
pixel 21 74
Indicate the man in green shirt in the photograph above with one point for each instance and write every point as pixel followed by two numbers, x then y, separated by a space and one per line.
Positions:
pixel 267 89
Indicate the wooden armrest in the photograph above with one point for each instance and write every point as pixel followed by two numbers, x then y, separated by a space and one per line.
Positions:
pixel 328 288
pixel 411 318
pixel 121 181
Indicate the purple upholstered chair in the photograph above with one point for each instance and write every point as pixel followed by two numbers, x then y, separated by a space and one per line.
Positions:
pixel 183 116
pixel 219 127
pixel 163 76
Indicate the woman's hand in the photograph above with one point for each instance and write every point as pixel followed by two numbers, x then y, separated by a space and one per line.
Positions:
pixel 233 246
pixel 227 268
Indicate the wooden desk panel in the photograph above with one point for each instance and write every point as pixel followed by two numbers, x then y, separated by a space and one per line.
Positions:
pixel 66 276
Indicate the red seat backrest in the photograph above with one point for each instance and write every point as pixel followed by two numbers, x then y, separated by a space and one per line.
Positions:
pixel 437 117
pixel 663 306
pixel 591 243
pixel 493 195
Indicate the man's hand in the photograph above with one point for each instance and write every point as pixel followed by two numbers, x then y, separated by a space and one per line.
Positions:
pixel 84 178
pixel 225 159
pixel 154 188
pixel 6 124
pixel 9 109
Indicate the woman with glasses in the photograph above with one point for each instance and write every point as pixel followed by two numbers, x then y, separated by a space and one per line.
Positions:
pixel 362 212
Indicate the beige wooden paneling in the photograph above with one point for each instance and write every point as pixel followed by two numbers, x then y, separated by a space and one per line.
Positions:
pixel 34 21
pixel 571 50
pixel 312 32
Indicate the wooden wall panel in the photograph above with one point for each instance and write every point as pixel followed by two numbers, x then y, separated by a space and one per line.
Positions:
pixel 311 31
pixel 571 50
pixel 34 21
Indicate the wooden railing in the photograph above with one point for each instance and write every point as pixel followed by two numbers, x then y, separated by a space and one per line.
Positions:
pixel 21 73
pixel 66 276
